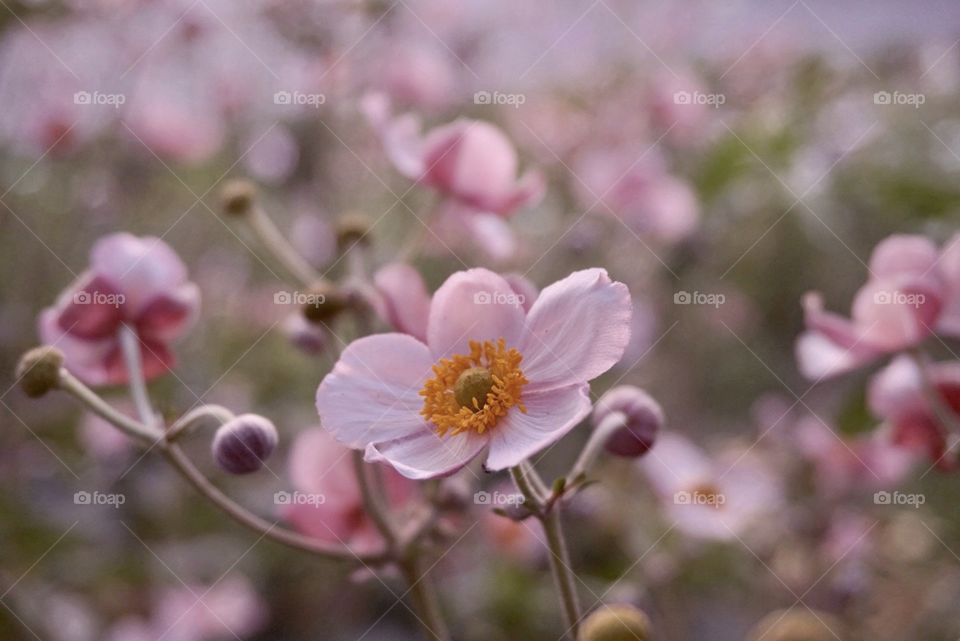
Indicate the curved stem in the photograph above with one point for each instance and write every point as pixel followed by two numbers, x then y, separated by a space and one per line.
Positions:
pixel 372 501
pixel 562 571
pixel 192 420
pixel 599 438
pixel 277 244
pixel 423 592
pixel 529 484
pixel 104 410
pixel 269 530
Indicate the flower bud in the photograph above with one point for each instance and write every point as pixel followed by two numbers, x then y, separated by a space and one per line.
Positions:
pixel 325 300
pixel 242 444
pixel 620 622
pixel 237 197
pixel 39 370
pixel 352 227
pixel 797 625
pixel 644 419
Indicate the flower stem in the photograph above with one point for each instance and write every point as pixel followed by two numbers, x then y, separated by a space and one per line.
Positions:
pixel 561 569
pixel 599 438
pixel 130 343
pixel 372 501
pixel 423 593
pixel 277 244
pixel 104 410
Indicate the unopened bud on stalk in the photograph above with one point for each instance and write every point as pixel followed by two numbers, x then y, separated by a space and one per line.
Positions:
pixel 325 300
pixel 353 227
pixel 242 444
pixel 237 197
pixel 618 622
pixel 797 625
pixel 39 370
pixel 644 420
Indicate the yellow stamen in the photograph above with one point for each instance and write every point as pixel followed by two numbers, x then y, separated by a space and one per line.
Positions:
pixel 451 398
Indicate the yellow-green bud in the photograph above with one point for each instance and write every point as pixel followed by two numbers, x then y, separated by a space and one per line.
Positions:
pixel 237 197
pixel 619 622
pixel 39 370
pixel 797 624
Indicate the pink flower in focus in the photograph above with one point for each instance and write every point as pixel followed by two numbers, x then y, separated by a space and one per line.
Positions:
pixel 912 292
pixel 897 395
pixel 321 471
pixel 139 282
pixel 490 374
pixel 710 499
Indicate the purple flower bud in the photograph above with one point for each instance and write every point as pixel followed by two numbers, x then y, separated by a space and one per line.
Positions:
pixel 644 419
pixel 241 445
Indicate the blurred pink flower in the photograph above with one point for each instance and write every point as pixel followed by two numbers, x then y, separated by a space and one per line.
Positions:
pixel 139 282
pixel 911 293
pixel 228 609
pixel 490 374
pixel 897 395
pixel 708 499
pixel 470 163
pixel 644 196
pixel 321 471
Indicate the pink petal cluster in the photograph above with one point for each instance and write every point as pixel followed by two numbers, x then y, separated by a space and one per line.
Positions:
pixel 898 396
pixel 576 330
pixel 913 291
pixel 138 282
pixel 331 508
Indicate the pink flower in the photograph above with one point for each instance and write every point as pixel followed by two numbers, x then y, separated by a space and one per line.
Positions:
pixel 710 499
pixel 896 395
pixel 230 608
pixel 913 291
pixel 139 282
pixel 470 163
pixel 490 374
pixel 331 508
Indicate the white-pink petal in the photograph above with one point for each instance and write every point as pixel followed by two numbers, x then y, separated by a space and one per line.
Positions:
pixel 577 329
pixel 425 454
pixel 550 415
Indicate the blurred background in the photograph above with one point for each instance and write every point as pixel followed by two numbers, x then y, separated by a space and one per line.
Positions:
pixel 720 159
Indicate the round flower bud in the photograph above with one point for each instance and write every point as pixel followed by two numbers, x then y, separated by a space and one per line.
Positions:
pixel 644 419
pixel 324 301
pixel 618 622
pixel 237 197
pixel 797 625
pixel 242 444
pixel 39 370
pixel 351 228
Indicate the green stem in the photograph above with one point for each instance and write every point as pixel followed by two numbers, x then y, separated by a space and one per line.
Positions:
pixel 130 343
pixel 423 593
pixel 277 244
pixel 562 571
